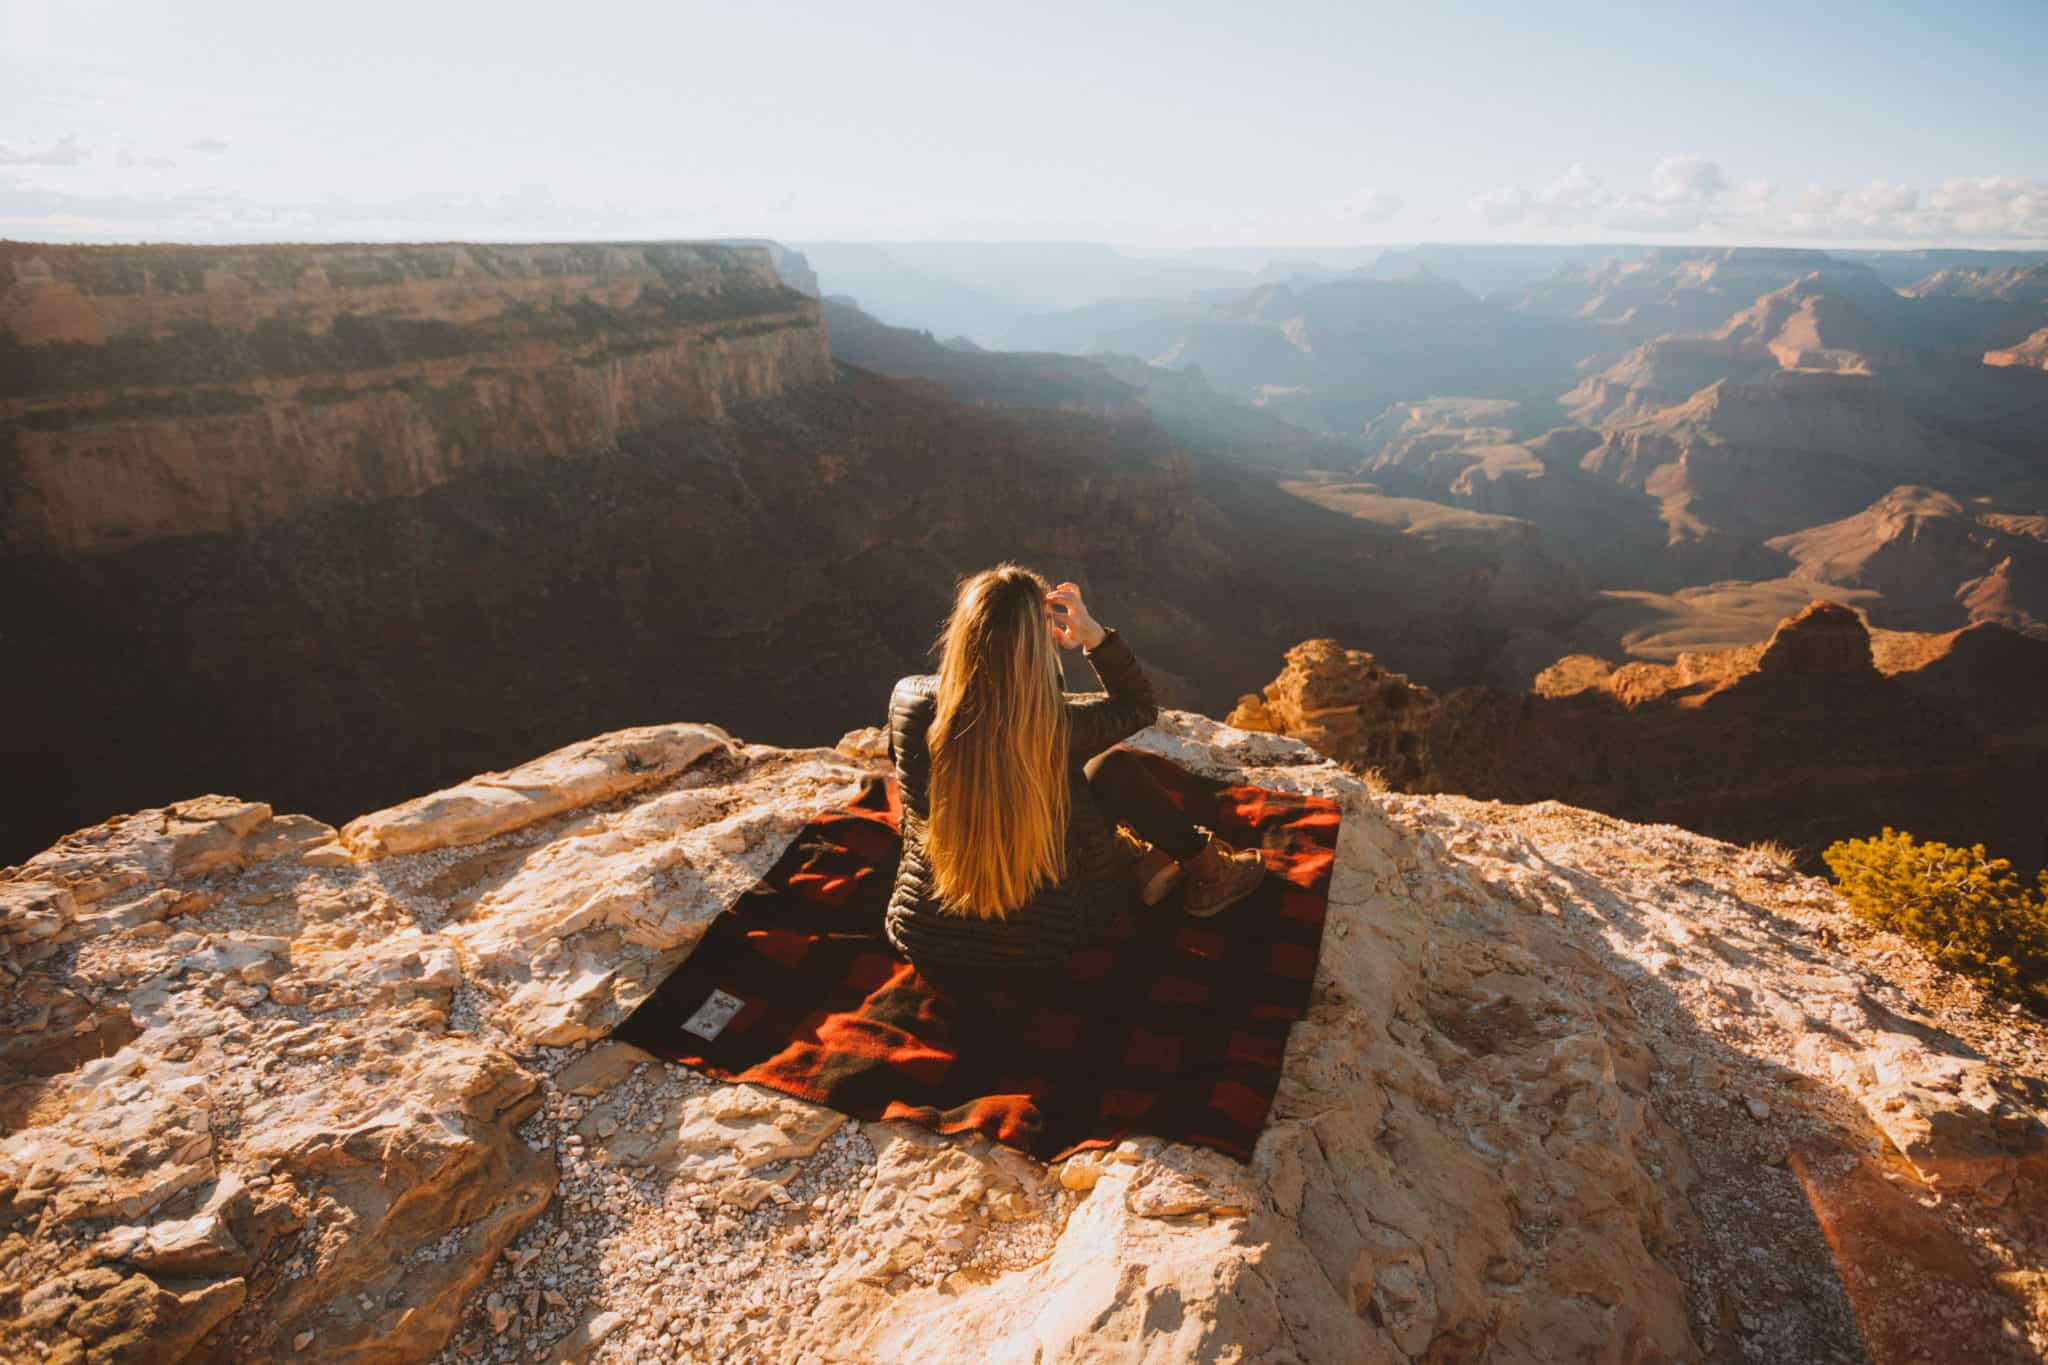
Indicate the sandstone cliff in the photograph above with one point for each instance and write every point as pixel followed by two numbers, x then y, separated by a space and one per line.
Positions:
pixel 1982 307
pixel 158 391
pixel 368 573
pixel 1938 561
pixel 1812 736
pixel 1662 372
pixel 1683 289
pixel 1737 419
pixel 1750 461
pixel 1329 354
pixel 1570 1089
pixel 1810 325
pixel 2031 353
pixel 1343 703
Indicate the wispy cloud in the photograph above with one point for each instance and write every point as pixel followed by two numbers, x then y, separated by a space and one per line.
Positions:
pixel 65 151
pixel 1371 205
pixel 1685 180
pixel 1569 197
pixel 127 159
pixel 1690 193
pixel 1994 206
pixel 222 216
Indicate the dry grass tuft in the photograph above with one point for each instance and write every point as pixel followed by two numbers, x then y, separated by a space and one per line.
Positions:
pixel 1771 851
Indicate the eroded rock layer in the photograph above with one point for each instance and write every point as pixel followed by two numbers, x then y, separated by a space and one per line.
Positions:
pixel 1342 702
pixel 2031 353
pixel 1570 1089
pixel 159 391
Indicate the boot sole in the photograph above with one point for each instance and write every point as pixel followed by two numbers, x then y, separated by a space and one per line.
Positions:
pixel 1162 884
pixel 1210 911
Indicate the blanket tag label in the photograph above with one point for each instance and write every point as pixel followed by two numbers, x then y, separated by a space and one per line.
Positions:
pixel 713 1015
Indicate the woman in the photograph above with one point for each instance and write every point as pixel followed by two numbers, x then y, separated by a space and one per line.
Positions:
pixel 1012 855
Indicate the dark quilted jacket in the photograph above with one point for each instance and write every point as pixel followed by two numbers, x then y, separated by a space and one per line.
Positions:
pixel 965 950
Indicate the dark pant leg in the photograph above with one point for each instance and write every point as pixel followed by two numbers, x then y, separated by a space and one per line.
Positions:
pixel 1128 791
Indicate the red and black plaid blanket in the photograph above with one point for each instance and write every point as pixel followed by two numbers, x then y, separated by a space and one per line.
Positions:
pixel 1173 1026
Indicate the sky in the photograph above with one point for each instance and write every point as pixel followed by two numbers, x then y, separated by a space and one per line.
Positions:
pixel 1284 122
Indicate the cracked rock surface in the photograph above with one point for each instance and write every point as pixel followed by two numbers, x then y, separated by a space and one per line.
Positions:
pixel 1570 1089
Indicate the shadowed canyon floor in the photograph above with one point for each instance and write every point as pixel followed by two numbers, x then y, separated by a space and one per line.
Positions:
pixel 1570 1089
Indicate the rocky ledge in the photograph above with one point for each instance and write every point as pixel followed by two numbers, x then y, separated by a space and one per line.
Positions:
pixel 1571 1089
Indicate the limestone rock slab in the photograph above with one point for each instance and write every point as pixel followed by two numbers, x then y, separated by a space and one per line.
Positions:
pixel 572 776
pixel 1569 1089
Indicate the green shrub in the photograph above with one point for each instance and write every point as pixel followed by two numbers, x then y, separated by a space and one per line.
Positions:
pixel 1969 911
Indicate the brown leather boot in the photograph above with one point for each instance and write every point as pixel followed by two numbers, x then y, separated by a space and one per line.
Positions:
pixel 1220 876
pixel 1154 871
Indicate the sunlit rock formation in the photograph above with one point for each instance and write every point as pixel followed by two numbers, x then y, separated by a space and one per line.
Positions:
pixel 2029 354
pixel 1823 732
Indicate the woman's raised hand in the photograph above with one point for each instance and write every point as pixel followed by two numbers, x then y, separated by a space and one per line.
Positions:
pixel 1069 619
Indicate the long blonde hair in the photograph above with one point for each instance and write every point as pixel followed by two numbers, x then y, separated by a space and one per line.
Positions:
pixel 998 793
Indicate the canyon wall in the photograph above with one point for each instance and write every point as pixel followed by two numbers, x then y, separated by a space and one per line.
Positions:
pixel 1826 731
pixel 328 525
pixel 778 567
pixel 157 391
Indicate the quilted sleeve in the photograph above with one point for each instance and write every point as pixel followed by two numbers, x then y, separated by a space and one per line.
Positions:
pixel 911 708
pixel 1100 721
